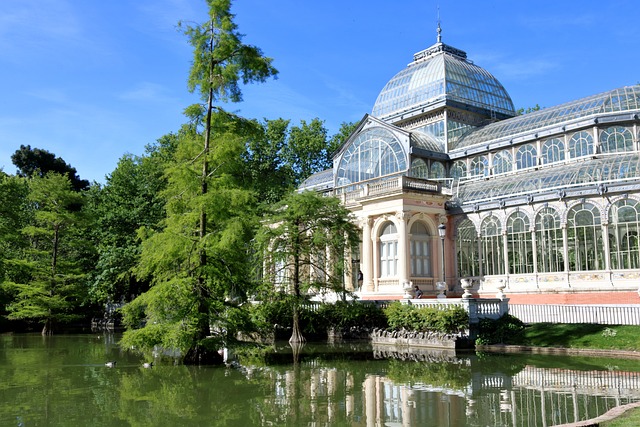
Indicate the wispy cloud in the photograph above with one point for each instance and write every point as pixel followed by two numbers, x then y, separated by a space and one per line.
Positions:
pixel 145 92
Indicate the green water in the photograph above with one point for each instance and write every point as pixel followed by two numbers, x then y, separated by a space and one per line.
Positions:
pixel 63 381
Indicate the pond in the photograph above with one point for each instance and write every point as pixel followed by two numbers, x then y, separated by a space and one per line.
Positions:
pixel 63 381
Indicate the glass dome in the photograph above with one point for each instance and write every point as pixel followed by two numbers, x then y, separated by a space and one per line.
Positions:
pixel 442 73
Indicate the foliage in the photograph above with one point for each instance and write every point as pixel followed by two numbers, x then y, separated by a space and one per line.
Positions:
pixel 438 319
pixel 521 111
pixel 352 314
pixel 49 286
pixel 507 329
pixel 294 233
pixel 130 199
pixel 37 162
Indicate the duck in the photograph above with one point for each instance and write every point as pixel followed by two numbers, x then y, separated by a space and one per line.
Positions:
pixel 147 365
pixel 110 364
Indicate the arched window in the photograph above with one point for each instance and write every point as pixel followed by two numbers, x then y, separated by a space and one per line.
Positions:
pixel 526 156
pixel 389 251
pixel 492 246
pixel 552 151
pixel 616 139
pixel 419 169
pixel 502 162
pixel 437 171
pixel 420 251
pixel 519 244
pixel 374 153
pixel 467 250
pixel 580 144
pixel 459 169
pixel 624 219
pixel 549 243
pixel 479 166
pixel 584 238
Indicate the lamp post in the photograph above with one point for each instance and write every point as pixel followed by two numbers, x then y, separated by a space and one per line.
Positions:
pixel 442 231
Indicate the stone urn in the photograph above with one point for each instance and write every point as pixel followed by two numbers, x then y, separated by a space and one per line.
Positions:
pixel 440 287
pixel 408 289
pixel 466 285
pixel 500 287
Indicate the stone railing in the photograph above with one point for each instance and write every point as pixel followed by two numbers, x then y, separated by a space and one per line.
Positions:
pixel 485 308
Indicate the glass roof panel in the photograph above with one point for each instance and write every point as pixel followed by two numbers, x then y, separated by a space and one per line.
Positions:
pixel 603 170
pixel 617 100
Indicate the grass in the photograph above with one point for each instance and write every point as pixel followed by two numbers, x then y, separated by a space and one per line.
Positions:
pixel 631 418
pixel 582 336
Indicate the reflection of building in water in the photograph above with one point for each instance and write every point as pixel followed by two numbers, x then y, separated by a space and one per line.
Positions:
pixel 531 397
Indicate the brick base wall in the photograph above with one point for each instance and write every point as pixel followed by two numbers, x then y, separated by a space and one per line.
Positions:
pixel 573 298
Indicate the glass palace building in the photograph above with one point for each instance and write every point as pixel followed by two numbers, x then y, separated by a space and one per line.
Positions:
pixel 447 182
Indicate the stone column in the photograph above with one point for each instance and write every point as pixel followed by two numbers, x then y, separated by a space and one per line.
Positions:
pixel 403 247
pixel 367 255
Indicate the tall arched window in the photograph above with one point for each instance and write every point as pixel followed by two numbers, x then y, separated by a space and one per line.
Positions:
pixel 479 166
pixel 420 251
pixel 552 151
pixel 492 246
pixel 584 238
pixel 580 144
pixel 502 162
pixel 624 226
pixel 519 244
pixel 616 139
pixel 419 169
pixel 467 250
pixel 437 171
pixel 459 169
pixel 549 242
pixel 389 251
pixel 526 156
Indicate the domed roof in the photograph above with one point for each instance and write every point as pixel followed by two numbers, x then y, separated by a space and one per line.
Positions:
pixel 437 75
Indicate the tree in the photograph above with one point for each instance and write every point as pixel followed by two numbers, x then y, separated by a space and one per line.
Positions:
pixel 521 111
pixel 306 241
pixel 38 162
pixel 50 288
pixel 130 199
pixel 308 150
pixel 206 228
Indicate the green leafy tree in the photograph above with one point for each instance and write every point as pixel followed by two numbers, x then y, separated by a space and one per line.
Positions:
pixel 336 141
pixel 14 215
pixel 31 162
pixel 308 150
pixel 267 171
pixel 130 199
pixel 297 230
pixel 198 261
pixel 51 286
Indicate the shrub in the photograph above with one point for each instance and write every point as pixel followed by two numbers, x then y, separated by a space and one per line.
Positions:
pixel 507 329
pixel 448 320
pixel 352 314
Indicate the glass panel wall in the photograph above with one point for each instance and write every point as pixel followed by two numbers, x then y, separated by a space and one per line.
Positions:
pixel 526 156
pixel 549 242
pixel 519 244
pixel 584 238
pixel 467 250
pixel 616 139
pixel 502 162
pixel 419 169
pixel 492 246
pixel 580 144
pixel 624 217
pixel 437 171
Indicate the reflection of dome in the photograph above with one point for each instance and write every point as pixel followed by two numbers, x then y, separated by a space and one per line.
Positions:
pixel 442 75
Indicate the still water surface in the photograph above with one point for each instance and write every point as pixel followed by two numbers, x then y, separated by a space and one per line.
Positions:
pixel 63 381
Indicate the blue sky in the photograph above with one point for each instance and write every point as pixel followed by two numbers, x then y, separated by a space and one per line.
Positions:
pixel 91 80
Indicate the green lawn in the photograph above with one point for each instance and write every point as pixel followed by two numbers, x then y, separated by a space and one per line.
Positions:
pixel 602 337
pixel 631 418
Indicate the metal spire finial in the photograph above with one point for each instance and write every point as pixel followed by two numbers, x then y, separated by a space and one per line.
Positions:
pixel 439 39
